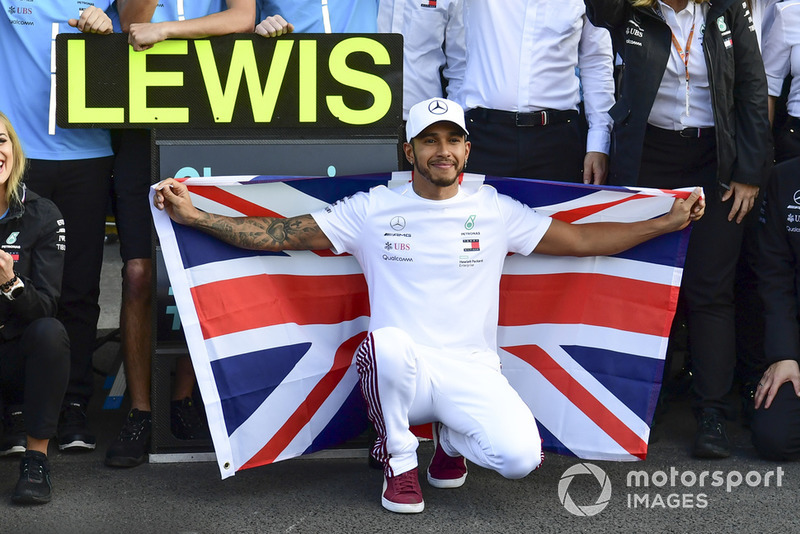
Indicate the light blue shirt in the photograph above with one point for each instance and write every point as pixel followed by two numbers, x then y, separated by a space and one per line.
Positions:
pixel 324 16
pixel 170 10
pixel 27 34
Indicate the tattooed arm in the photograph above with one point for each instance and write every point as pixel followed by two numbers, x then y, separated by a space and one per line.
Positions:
pixel 254 233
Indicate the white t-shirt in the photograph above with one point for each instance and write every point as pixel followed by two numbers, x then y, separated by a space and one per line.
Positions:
pixel 433 267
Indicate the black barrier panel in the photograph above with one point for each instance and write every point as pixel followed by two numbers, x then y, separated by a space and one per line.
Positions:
pixel 309 81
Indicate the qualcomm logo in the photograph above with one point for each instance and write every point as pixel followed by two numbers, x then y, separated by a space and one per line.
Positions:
pixel 602 499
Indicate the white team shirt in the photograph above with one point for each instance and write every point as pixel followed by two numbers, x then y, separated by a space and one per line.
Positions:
pixel 428 29
pixel 782 53
pixel 522 55
pixel 433 266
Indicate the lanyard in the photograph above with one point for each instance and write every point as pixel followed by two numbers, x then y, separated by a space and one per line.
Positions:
pixel 684 54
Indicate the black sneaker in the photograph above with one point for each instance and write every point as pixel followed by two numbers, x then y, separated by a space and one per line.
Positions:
pixel 33 486
pixel 711 440
pixel 185 420
pixel 131 446
pixel 73 433
pixel 14 439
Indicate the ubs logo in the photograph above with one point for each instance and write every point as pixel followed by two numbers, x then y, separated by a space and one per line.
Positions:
pixel 397 223
pixel 437 107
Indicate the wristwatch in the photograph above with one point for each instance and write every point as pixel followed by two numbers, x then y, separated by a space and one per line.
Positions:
pixel 13 288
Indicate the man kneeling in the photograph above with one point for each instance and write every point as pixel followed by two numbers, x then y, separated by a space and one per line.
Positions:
pixel 431 351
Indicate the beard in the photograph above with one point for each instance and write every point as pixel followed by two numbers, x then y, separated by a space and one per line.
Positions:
pixel 438 179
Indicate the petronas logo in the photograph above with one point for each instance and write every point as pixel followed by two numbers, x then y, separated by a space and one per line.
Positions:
pixel 470 224
pixel 12 238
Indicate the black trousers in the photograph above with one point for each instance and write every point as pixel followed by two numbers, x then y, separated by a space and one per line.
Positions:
pixel 131 186
pixel 80 189
pixel 670 161
pixel 787 141
pixel 34 370
pixel 552 152
pixel 776 430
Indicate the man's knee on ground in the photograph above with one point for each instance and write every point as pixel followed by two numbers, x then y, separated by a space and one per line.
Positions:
pixel 519 458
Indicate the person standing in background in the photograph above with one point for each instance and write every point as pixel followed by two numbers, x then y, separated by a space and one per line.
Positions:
pixel 692 111
pixel 147 23
pixel 71 167
pixel 522 94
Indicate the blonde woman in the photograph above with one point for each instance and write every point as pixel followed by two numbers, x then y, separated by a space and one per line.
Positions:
pixel 34 347
pixel 692 111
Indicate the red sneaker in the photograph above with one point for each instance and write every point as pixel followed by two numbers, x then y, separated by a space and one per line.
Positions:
pixel 445 471
pixel 402 493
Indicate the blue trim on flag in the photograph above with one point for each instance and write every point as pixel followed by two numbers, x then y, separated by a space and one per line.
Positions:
pixel 634 380
pixel 551 443
pixel 245 381
pixel 198 248
pixel 542 192
pixel 332 189
pixel 668 249
pixel 350 421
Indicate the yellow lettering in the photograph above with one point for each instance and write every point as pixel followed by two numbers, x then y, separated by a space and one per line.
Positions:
pixel 141 79
pixel 381 93
pixel 77 112
pixel 308 81
pixel 243 63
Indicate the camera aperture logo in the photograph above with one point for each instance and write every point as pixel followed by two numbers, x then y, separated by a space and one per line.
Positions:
pixel 588 509
pixel 663 489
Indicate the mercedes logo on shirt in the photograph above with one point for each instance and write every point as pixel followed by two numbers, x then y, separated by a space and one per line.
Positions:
pixel 797 197
pixel 437 107
pixel 397 223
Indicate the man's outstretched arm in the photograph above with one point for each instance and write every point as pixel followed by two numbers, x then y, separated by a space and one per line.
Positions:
pixel 607 238
pixel 253 233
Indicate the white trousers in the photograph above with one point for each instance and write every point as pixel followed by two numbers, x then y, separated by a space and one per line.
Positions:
pixel 483 418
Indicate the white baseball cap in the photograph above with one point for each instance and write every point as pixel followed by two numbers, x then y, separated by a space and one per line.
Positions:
pixel 430 111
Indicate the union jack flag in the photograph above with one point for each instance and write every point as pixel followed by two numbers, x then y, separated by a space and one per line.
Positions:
pixel 272 336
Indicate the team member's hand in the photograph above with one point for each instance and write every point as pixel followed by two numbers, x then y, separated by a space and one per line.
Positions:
pixel 173 196
pixel 6 267
pixel 143 35
pixel 744 196
pixel 274 26
pixel 685 211
pixel 774 377
pixel 93 20
pixel 595 168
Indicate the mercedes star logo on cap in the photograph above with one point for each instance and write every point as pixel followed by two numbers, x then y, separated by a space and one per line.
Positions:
pixel 437 107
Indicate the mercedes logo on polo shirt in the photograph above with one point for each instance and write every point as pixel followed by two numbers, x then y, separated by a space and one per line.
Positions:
pixel 797 197
pixel 437 107
pixel 397 223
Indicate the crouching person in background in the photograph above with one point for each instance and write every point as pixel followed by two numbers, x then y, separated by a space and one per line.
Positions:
pixel 34 347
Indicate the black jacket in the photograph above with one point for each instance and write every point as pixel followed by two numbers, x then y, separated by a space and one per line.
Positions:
pixel 779 262
pixel 33 233
pixel 736 76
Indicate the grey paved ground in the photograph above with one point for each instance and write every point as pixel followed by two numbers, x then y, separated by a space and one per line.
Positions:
pixel 342 496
